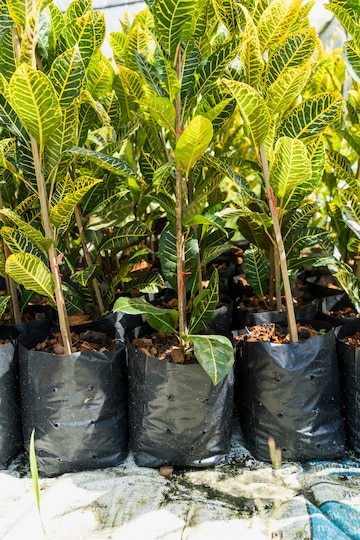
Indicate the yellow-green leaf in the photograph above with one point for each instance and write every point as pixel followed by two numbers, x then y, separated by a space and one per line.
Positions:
pixel 193 142
pixel 29 271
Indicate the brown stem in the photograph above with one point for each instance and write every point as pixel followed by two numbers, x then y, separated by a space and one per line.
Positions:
pixel 94 282
pixel 54 266
pixel 180 241
pixel 280 246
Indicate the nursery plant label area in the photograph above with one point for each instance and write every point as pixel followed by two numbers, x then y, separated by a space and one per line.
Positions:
pixel 241 498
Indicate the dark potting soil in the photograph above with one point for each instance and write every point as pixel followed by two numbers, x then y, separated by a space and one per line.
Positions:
pixel 89 340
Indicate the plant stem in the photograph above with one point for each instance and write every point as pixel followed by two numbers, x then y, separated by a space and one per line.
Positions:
pixel 280 246
pixel 54 266
pixel 180 241
pixel 94 282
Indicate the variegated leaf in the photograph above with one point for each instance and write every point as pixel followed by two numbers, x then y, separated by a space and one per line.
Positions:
pixel 215 354
pixel 351 55
pixel 311 117
pixel 7 53
pixel 4 300
pixel 168 260
pixel 83 276
pixel 131 82
pixel 18 242
pixel 229 13
pixel 295 51
pixel 204 305
pixel 61 212
pixel 34 235
pixel 67 75
pixel 74 301
pixel 275 21
pixel 210 253
pixel 136 42
pixel 30 272
pixel 162 111
pixel 151 75
pixel 253 110
pixel 123 270
pixel 192 143
pixel 163 181
pixel 146 283
pixel 286 89
pixel 117 42
pixel 290 173
pixel 81 32
pixel 257 269
pixel 174 21
pixel 316 154
pixel 35 102
pixel 100 76
pixel 112 164
pixel 251 57
pixel 123 237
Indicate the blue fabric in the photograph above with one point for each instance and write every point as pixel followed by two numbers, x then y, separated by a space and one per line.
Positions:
pixel 322 528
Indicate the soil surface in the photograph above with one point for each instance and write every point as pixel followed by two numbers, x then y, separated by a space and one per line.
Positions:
pixel 164 347
pixel 353 340
pixel 274 333
pixel 89 340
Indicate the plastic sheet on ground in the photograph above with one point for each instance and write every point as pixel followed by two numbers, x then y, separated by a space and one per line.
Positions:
pixel 241 498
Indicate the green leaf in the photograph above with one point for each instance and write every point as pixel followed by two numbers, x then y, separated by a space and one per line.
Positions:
pixel 68 75
pixel 18 242
pixel 110 163
pixel 163 320
pixel 253 110
pixel 34 100
pixel 275 21
pixel 35 235
pixel 81 32
pixel 351 55
pixel 4 300
pixel 83 276
pixel 174 21
pixel 131 234
pixel 167 253
pixel 193 142
pixel 204 305
pixel 29 271
pixel 61 212
pixel 256 268
pixel 215 354
pixel 74 301
pixel 290 173
pixel 162 111
pixel 311 117
pixel 149 283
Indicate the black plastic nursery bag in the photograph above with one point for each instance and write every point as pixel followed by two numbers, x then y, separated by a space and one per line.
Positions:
pixel 77 405
pixel 177 416
pixel 10 418
pixel 349 366
pixel 290 392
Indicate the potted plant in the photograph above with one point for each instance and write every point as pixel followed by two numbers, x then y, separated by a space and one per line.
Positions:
pixel 44 107
pixel 175 87
pixel 285 140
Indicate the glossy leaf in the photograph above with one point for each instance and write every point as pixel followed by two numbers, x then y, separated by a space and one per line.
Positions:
pixel 18 242
pixel 174 21
pixel 311 117
pixel 61 212
pixel 215 354
pixel 110 163
pixel 35 102
pixel 167 253
pixel 253 111
pixel 163 320
pixel 67 75
pixel 123 237
pixel 276 20
pixel 30 272
pixel 290 173
pixel 204 305
pixel 34 235
pixel 256 268
pixel 193 143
